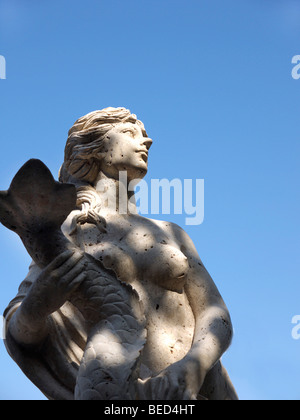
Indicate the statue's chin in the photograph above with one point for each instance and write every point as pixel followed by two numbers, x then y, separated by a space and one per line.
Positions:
pixel 137 174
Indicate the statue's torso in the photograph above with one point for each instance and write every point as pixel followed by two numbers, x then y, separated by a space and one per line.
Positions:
pixel 147 254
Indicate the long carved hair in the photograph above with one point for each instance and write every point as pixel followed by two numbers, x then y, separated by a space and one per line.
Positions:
pixel 83 153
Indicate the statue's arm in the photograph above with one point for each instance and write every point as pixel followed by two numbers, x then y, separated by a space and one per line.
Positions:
pixel 48 292
pixel 213 327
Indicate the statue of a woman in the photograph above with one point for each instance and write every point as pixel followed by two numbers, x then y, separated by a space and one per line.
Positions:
pixel 187 325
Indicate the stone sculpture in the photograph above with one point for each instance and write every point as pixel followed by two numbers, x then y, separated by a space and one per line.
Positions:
pixel 115 306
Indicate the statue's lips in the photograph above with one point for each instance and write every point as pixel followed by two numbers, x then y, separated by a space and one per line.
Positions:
pixel 144 155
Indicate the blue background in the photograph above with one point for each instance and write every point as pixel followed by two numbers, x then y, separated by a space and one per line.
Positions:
pixel 211 80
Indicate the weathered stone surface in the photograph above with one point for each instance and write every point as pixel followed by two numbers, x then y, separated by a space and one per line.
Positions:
pixel 115 306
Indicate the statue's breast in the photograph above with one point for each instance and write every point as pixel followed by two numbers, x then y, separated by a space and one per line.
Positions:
pixel 142 251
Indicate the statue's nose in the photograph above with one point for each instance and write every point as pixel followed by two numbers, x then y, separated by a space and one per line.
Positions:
pixel 147 142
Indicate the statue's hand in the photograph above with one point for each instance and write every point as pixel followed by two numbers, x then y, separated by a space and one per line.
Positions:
pixel 180 381
pixel 54 285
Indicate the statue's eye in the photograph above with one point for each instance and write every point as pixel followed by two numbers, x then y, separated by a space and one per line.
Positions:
pixel 130 132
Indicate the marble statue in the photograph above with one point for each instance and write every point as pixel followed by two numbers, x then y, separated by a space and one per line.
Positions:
pixel 115 306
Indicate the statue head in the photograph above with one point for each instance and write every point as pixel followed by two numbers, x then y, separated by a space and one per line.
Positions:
pixel 107 141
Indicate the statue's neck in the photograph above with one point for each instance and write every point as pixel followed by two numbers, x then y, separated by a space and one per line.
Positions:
pixel 114 195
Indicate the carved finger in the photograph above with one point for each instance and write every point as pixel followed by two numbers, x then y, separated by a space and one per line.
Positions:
pixel 73 273
pixel 172 389
pixel 158 388
pixel 60 260
pixel 68 265
pixel 144 387
pixel 189 396
pixel 76 282
pixel 141 384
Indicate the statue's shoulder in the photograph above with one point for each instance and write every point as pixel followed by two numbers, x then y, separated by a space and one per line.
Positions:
pixel 172 229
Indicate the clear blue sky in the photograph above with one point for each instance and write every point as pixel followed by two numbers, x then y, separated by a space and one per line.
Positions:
pixel 211 80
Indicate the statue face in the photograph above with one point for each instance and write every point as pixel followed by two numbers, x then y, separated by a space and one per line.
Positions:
pixel 126 150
